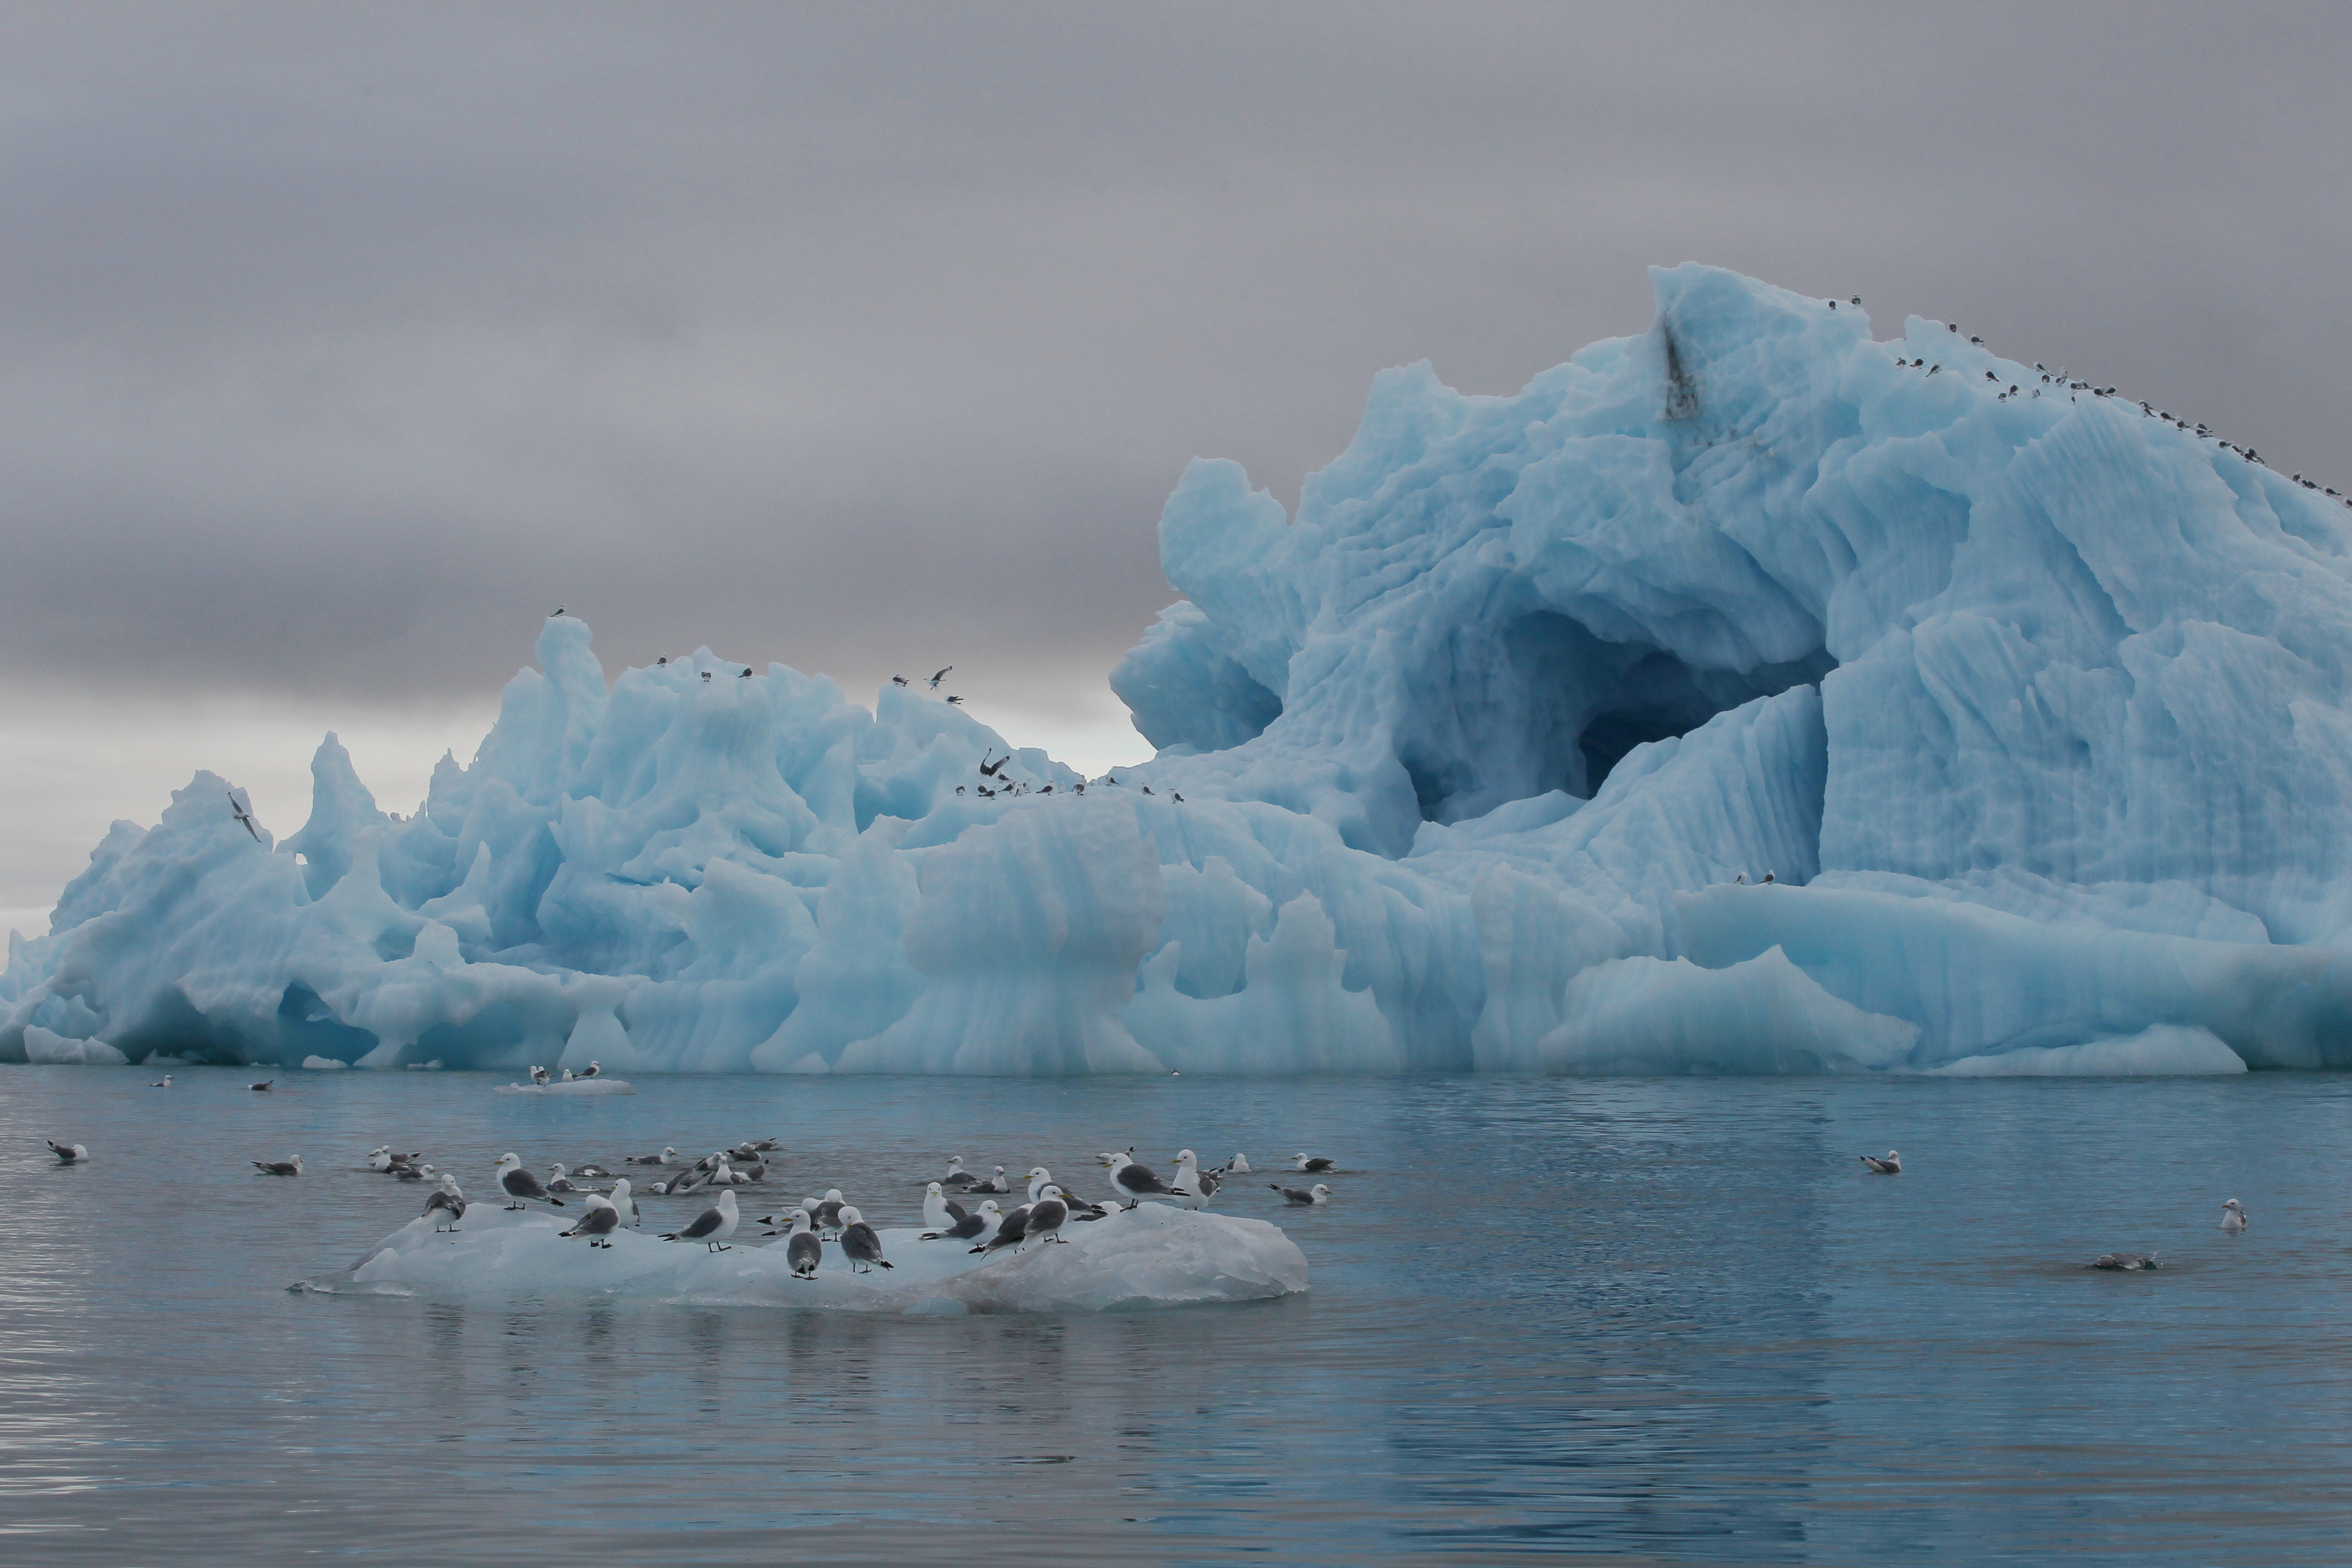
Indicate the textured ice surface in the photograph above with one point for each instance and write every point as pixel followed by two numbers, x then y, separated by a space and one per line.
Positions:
pixel 1152 1255
pixel 2034 705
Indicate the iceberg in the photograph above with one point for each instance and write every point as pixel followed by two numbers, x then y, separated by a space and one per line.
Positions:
pixel 1153 1256
pixel 1749 695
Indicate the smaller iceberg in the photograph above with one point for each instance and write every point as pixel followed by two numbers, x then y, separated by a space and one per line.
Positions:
pixel 1151 1256
pixel 582 1085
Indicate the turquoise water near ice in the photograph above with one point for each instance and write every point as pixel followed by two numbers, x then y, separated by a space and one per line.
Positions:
pixel 1659 1320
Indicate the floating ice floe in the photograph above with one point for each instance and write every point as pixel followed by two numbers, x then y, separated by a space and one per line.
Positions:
pixel 579 1085
pixel 2036 709
pixel 1154 1255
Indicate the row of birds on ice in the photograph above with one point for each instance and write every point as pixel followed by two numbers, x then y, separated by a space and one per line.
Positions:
pixel 2233 1218
pixel 2059 380
pixel 987 1228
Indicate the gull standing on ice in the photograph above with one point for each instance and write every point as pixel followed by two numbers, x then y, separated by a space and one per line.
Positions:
pixel 803 1250
pixel 292 1167
pixel 712 1227
pixel 1192 1187
pixel 447 1206
pixel 1890 1166
pixel 1130 1180
pixel 68 1154
pixel 938 1212
pixel 1045 1216
pixel 620 1199
pixel 1317 1194
pixel 519 1183
pixel 861 1243
pixel 828 1214
pixel 2234 1217
pixel 598 1223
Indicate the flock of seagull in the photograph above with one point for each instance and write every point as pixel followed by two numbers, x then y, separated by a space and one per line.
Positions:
pixel 2057 380
pixel 805 1227
pixel 2233 1218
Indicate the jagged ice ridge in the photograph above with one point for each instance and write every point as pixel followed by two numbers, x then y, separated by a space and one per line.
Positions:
pixel 2035 705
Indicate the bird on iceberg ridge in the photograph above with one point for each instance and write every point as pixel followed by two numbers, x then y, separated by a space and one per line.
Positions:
pixel 1130 1180
pixel 66 1153
pixel 1009 1229
pixel 712 1227
pixel 803 1250
pixel 2234 1217
pixel 447 1206
pixel 1195 1185
pixel 939 1213
pixel 1317 1194
pixel 942 675
pixel 1890 1166
pixel 598 1223
pixel 860 1243
pixel 292 1167
pixel 1045 1217
pixel 519 1183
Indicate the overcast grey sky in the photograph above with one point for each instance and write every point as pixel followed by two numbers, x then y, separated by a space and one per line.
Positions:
pixel 343 342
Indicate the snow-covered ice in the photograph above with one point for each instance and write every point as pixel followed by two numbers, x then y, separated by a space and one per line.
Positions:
pixel 2034 705
pixel 1153 1256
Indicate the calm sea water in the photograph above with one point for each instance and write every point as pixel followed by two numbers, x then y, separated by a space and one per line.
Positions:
pixel 1663 1321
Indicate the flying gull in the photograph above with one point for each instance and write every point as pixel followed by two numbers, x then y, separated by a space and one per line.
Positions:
pixel 861 1243
pixel 292 1167
pixel 521 1183
pixel 1317 1194
pixel 712 1227
pixel 942 675
pixel 243 813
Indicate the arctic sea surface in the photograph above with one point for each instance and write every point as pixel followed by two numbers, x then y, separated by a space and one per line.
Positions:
pixel 1665 1320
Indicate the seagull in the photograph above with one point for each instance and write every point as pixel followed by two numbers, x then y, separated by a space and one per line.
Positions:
pixel 593 1171
pixel 1010 1230
pixel 279 1167
pixel 1890 1166
pixel 861 1243
pixel 263 1086
pixel 557 1181
pixel 1769 878
pixel 995 1183
pixel 597 1223
pixel 1133 1181
pixel 380 1158
pixel 620 1199
pixel 803 1250
pixel 660 1159
pixel 1317 1194
pixel 2234 1217
pixel 243 813
pixel 1038 1177
pixel 593 1068
pixel 971 1227
pixel 559 610
pixel 165 1082
pixel 1238 1165
pixel 705 676
pixel 410 1173
pixel 955 701
pixel 942 675
pixel 539 1075
pixel 897 680
pixel 938 1212
pixel 521 1183
pixel 2132 1261
pixel 957 1176
pixel 445 1208
pixel 1192 1189
pixel 712 1227
pixel 1045 1216
pixel 1310 1162
pixel 828 1213
pixel 68 1154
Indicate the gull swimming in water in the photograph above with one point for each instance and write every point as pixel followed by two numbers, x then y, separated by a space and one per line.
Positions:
pixel 2234 1217
pixel 2128 1261
pixel 712 1227
pixel 1317 1194
pixel 661 1159
pixel 1191 1189
pixel 292 1167
pixel 1890 1166
pixel 957 1176
pixel 1311 1162
pixel 165 1083
pixel 68 1154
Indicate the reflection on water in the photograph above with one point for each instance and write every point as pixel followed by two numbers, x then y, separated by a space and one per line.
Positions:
pixel 1662 1320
